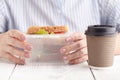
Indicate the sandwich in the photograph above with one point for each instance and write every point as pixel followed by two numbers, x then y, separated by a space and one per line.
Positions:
pixel 47 30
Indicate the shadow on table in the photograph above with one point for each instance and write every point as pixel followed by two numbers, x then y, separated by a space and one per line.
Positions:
pixel 5 61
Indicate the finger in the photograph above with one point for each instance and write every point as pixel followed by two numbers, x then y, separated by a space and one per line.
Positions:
pixel 77 54
pixel 79 60
pixel 17 52
pixel 14 59
pixel 16 34
pixel 74 46
pixel 19 44
pixel 75 37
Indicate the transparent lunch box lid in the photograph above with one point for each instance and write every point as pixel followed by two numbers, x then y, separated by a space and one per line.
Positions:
pixel 46 48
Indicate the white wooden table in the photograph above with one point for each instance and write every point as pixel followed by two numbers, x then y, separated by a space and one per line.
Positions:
pixel 37 71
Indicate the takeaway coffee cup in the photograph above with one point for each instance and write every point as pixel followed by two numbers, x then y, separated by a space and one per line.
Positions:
pixel 101 43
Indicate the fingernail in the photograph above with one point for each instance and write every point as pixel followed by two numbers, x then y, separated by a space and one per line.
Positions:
pixel 69 39
pixel 29 47
pixel 23 37
pixel 64 57
pixel 63 50
pixel 27 55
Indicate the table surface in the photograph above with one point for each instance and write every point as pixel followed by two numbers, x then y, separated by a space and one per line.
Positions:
pixel 57 71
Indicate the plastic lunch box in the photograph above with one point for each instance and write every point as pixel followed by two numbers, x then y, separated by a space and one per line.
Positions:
pixel 46 48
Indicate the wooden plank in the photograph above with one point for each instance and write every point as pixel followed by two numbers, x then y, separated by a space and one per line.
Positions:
pixel 110 74
pixel 52 71
pixel 6 69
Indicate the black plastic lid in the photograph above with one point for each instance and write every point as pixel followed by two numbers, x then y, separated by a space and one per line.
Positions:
pixel 100 30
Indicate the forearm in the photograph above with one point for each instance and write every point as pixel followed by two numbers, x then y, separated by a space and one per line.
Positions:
pixel 117 49
pixel 117 52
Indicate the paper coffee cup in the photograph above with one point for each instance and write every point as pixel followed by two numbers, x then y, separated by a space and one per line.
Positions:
pixel 101 43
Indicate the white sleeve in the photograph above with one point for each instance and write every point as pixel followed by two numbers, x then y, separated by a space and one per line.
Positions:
pixel 3 21
pixel 114 15
pixel 110 12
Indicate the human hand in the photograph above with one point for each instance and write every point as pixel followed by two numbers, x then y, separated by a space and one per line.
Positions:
pixel 76 51
pixel 13 46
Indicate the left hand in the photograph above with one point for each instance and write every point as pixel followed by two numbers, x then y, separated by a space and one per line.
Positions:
pixel 76 51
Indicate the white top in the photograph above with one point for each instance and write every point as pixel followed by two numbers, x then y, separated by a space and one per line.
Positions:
pixel 77 14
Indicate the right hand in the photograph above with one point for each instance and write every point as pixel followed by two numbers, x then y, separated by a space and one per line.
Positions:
pixel 13 46
pixel 76 52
